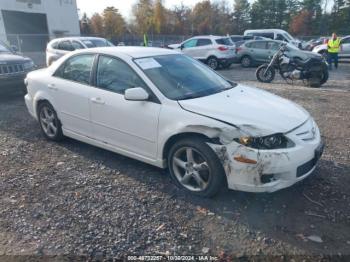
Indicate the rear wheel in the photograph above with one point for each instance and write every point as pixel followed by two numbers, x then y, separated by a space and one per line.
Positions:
pixel 213 63
pixel 265 74
pixel 49 122
pixel 246 61
pixel 195 167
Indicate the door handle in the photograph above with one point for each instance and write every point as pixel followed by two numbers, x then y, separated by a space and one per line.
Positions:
pixel 97 100
pixel 52 87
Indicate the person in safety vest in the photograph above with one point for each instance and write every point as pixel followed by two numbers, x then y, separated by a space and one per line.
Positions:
pixel 333 48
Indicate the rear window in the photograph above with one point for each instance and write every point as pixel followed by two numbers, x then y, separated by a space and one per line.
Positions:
pixel 236 38
pixel 90 43
pixel 224 41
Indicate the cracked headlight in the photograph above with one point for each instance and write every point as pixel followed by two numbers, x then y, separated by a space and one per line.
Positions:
pixel 28 65
pixel 275 141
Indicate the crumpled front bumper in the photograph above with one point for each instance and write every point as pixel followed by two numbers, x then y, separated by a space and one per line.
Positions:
pixel 274 169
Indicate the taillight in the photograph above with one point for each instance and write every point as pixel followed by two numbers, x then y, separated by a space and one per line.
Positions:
pixel 238 49
pixel 223 48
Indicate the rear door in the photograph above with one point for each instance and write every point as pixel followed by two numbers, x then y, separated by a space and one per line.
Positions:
pixel 258 51
pixel 203 48
pixel 70 88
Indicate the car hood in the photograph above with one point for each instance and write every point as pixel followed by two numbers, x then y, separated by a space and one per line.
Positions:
pixel 174 46
pixel 252 108
pixel 12 58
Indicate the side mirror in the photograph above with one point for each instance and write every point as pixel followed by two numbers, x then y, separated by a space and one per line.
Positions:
pixel 14 48
pixel 136 94
pixel 182 46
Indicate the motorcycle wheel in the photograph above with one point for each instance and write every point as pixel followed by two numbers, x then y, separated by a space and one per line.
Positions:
pixel 265 74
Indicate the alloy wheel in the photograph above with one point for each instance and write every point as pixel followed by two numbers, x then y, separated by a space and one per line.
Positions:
pixel 191 169
pixel 48 121
pixel 213 63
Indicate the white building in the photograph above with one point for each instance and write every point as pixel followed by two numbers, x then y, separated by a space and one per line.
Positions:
pixel 29 24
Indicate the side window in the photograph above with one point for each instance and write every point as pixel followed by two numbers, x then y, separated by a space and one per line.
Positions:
pixel 115 75
pixel 66 46
pixel 268 35
pixel 76 45
pixel 280 37
pixel 190 43
pixel 54 45
pixel 77 69
pixel 273 45
pixel 203 42
pixel 259 45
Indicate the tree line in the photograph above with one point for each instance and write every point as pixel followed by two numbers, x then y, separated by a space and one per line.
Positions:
pixel 299 17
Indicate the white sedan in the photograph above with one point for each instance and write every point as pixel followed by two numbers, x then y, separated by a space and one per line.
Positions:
pixel 169 110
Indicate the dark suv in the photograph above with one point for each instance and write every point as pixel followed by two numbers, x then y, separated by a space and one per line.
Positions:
pixel 13 67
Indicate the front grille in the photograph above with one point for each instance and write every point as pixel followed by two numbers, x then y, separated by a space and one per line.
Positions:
pixel 11 69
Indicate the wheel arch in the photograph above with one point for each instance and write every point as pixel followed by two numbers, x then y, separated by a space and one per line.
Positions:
pixel 177 137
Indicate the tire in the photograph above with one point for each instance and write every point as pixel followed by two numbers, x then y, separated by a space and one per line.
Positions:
pixel 325 76
pixel 49 123
pixel 268 78
pixel 246 61
pixel 203 180
pixel 213 63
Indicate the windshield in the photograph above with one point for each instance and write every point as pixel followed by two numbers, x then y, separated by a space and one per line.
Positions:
pixel 224 41
pixel 97 43
pixel 180 77
pixel 4 49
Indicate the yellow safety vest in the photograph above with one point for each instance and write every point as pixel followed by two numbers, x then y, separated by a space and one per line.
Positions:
pixel 333 45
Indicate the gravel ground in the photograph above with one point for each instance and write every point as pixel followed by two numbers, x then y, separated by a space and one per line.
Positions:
pixel 62 200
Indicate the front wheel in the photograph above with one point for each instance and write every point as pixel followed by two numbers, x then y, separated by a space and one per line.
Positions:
pixel 265 74
pixel 195 167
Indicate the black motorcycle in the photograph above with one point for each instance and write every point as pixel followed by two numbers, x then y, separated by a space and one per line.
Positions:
pixel 313 71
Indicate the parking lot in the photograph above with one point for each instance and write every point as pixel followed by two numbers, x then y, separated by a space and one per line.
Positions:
pixel 72 198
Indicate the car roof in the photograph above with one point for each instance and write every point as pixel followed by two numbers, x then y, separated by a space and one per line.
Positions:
pixel 208 36
pixel 132 51
pixel 77 38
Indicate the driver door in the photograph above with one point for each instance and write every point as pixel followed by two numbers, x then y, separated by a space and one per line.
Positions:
pixel 345 53
pixel 130 126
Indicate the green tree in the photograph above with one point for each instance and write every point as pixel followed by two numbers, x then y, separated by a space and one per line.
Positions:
pixel 202 17
pixel 241 16
pixel 114 23
pixel 269 14
pixel 143 13
pixel 97 24
pixel 85 25
pixel 159 18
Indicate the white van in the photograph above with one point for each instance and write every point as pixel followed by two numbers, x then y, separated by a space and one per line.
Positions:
pixel 276 34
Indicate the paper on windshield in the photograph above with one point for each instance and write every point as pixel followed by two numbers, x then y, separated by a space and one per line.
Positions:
pixel 147 63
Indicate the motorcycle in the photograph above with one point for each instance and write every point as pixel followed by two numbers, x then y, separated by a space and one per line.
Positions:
pixel 313 71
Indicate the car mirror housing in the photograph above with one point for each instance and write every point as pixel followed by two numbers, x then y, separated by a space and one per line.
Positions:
pixel 136 94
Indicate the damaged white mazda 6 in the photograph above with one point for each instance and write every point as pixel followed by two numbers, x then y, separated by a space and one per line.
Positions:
pixel 166 109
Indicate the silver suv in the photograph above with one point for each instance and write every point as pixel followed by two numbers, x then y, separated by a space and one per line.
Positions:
pixel 61 46
pixel 215 51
